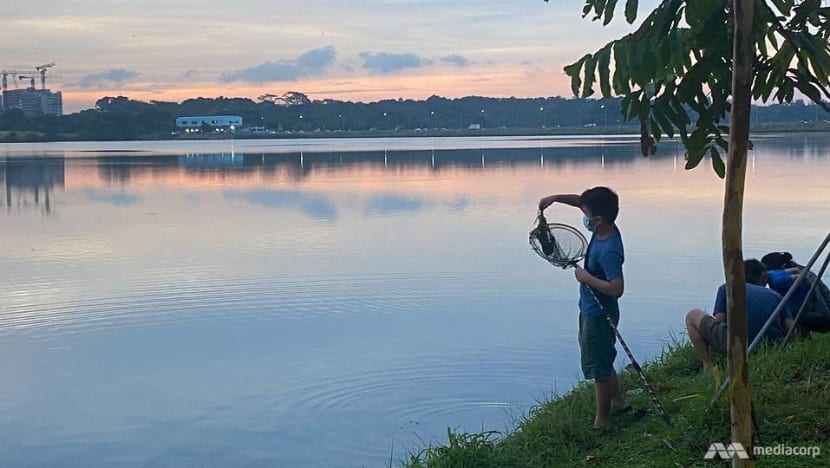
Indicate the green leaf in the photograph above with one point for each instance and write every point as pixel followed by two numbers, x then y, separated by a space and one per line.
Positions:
pixel 717 162
pixel 631 10
pixel 784 6
pixel 573 71
pixel 587 9
pixel 590 73
pixel 609 11
pixel 621 75
pixel 599 7
pixel 603 64
pixel 696 147
pixel 693 156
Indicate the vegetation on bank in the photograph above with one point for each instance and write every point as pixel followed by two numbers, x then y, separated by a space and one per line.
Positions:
pixel 294 115
pixel 791 394
pixel 33 136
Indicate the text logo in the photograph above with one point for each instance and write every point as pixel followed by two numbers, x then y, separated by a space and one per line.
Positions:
pixel 726 452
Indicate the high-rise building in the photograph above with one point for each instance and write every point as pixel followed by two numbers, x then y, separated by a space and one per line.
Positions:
pixel 33 101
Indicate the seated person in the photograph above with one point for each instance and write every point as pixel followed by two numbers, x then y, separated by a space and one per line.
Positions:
pixel 782 273
pixel 710 332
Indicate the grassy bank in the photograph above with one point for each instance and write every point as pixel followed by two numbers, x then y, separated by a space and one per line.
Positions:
pixel 791 393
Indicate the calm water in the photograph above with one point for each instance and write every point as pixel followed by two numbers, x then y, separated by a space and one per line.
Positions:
pixel 334 302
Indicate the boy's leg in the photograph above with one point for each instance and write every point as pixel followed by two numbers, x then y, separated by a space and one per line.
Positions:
pixel 603 394
pixel 608 395
pixel 693 319
pixel 597 353
pixel 617 399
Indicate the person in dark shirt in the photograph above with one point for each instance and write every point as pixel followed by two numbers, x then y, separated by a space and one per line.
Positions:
pixel 782 274
pixel 604 275
pixel 710 332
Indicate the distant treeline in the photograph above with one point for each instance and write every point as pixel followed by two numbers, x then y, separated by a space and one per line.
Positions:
pixel 120 118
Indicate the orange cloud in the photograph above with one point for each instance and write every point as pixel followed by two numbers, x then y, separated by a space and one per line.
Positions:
pixel 493 81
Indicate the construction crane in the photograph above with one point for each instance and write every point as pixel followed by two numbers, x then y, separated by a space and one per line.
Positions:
pixel 42 70
pixel 28 77
pixel 14 73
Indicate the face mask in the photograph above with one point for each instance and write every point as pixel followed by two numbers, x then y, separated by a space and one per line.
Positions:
pixel 587 222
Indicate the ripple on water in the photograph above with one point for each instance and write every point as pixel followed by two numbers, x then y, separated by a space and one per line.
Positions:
pixel 409 390
pixel 158 300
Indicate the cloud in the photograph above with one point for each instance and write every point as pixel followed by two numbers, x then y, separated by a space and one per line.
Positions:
pixel 386 63
pixel 191 73
pixel 311 63
pixel 115 76
pixel 456 59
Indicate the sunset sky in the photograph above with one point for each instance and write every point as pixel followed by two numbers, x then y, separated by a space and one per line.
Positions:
pixel 360 50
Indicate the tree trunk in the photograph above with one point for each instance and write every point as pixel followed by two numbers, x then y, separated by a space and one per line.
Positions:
pixel 744 53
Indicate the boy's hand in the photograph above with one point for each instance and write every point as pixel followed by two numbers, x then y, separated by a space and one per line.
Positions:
pixel 582 275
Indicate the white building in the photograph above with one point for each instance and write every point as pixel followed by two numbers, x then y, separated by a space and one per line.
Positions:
pixel 218 121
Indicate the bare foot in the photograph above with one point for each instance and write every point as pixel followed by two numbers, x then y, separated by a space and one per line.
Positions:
pixel 601 425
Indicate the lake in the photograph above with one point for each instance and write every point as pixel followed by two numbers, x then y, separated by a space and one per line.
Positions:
pixel 315 303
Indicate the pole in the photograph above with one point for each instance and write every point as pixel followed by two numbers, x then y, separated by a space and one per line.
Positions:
pixel 649 388
pixel 807 298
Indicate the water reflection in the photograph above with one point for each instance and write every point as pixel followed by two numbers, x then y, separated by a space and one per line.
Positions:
pixel 314 205
pixel 299 165
pixel 389 204
pixel 30 183
pixel 116 198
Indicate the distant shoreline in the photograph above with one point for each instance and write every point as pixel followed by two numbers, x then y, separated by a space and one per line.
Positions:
pixel 624 130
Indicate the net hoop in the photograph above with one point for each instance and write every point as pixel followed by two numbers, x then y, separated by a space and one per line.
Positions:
pixel 559 244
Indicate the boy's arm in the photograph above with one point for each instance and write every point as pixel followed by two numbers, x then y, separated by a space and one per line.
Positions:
pixel 565 198
pixel 720 305
pixel 613 288
pixel 611 263
pixel 787 317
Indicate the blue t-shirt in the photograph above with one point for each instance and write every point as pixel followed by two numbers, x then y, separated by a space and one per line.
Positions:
pixel 604 260
pixel 760 304
pixel 781 281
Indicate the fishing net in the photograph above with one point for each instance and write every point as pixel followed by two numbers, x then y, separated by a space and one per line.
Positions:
pixel 561 245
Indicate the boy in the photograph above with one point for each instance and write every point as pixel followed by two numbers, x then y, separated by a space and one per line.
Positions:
pixel 782 274
pixel 706 331
pixel 603 274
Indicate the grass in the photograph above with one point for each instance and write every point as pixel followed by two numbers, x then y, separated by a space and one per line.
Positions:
pixel 791 394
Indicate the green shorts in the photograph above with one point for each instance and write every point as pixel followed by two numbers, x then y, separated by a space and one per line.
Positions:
pixel 714 333
pixel 597 345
